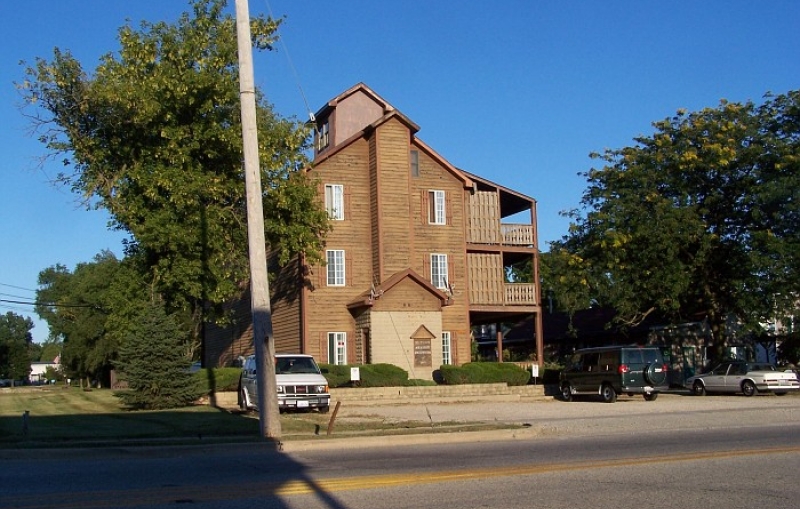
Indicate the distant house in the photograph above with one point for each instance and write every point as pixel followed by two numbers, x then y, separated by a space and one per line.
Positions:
pixel 38 370
pixel 417 257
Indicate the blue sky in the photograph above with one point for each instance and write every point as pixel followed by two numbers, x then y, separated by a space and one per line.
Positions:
pixel 516 91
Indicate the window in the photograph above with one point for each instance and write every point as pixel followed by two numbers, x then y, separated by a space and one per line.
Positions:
pixel 337 348
pixel 446 358
pixel 335 267
pixel 436 213
pixel 323 136
pixel 334 201
pixel 415 163
pixel 439 270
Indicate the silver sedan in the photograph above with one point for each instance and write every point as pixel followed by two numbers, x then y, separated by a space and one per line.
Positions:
pixel 743 377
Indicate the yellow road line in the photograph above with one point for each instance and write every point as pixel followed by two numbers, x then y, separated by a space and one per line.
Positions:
pixel 300 487
pixel 207 493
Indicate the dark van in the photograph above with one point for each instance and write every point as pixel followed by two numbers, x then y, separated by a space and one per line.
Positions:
pixel 612 370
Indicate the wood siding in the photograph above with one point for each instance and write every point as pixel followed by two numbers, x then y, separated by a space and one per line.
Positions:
pixel 394 201
pixel 484 218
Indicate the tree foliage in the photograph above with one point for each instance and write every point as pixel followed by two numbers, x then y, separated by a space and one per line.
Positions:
pixel 151 362
pixel 153 135
pixel 15 344
pixel 697 221
pixel 76 307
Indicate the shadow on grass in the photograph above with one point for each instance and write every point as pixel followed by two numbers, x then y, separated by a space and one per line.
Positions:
pixel 191 424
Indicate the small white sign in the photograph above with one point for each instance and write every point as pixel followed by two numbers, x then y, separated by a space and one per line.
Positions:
pixel 535 370
pixel 355 375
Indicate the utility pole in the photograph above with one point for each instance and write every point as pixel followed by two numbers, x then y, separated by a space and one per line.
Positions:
pixel 269 414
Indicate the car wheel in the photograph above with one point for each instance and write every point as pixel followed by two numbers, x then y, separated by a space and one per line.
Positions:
pixel 698 389
pixel 608 393
pixel 324 409
pixel 566 392
pixel 650 397
pixel 748 388
pixel 780 394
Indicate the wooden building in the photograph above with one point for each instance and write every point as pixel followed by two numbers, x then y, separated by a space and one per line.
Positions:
pixel 418 253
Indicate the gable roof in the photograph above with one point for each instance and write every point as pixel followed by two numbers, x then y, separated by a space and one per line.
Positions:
pixel 358 87
pixel 390 112
pixel 367 299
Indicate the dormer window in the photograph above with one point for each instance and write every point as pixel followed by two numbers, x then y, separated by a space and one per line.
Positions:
pixel 323 136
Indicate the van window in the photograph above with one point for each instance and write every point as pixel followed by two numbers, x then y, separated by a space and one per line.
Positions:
pixel 651 355
pixel 632 356
pixel 590 361
pixel 608 361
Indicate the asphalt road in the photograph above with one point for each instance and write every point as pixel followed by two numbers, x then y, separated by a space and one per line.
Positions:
pixel 679 451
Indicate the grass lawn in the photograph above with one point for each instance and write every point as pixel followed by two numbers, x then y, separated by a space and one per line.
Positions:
pixel 62 416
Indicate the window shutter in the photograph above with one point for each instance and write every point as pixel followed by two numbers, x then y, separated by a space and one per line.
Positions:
pixel 448 208
pixel 426 267
pixel 350 346
pixel 423 207
pixel 348 270
pixel 347 209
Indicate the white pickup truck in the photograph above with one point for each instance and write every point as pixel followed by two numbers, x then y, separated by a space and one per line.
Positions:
pixel 301 385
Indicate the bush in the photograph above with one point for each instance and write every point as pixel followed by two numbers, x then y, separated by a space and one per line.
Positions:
pixel 372 375
pixel 217 379
pixel 484 373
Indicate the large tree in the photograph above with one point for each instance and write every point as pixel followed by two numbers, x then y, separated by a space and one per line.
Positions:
pixel 77 306
pixel 698 220
pixel 153 135
pixel 15 345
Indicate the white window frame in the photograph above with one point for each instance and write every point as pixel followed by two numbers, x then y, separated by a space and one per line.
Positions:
pixel 447 357
pixel 439 275
pixel 334 201
pixel 436 207
pixel 335 267
pixel 337 348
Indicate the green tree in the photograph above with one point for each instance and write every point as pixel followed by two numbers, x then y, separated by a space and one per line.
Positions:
pixel 154 137
pixel 698 219
pixel 15 343
pixel 153 365
pixel 76 307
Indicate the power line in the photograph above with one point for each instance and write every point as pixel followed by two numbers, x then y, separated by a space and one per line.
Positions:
pixel 291 66
pixel 50 304
pixel 17 287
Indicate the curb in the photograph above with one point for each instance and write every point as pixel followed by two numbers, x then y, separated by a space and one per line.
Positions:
pixel 438 438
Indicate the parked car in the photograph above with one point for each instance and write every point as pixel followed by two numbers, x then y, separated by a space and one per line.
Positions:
pixel 301 385
pixel 612 370
pixel 743 377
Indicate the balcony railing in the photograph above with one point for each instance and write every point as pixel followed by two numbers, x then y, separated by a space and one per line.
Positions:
pixel 516 234
pixel 520 293
pixel 506 294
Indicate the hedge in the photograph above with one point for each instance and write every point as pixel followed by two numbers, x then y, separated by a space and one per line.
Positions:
pixel 484 373
pixel 371 375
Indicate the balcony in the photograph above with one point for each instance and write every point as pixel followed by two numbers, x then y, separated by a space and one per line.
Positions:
pixel 484 293
pixel 521 294
pixel 494 233
pixel 517 234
